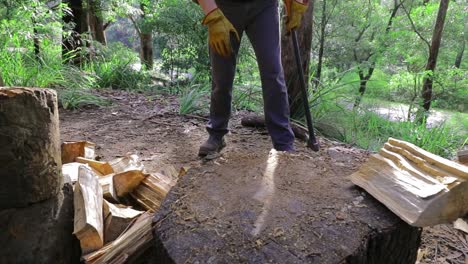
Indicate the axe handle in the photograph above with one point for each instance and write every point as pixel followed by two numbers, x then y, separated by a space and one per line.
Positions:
pixel 312 142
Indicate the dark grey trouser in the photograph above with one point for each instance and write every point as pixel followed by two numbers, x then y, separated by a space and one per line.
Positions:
pixel 260 20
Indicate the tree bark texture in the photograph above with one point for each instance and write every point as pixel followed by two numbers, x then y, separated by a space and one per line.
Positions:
pixel 458 59
pixel 37 49
pixel 96 23
pixel 41 232
pixel 363 80
pixel 146 53
pixel 30 165
pixel 79 18
pixel 146 42
pixel 304 34
pixel 323 25
pixel 433 53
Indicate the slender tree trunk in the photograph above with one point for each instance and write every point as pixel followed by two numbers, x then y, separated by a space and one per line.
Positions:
pixel 433 53
pixel 146 52
pixel 79 18
pixel 146 42
pixel 323 24
pixel 37 49
pixel 304 34
pixel 459 57
pixel 363 80
pixel 96 22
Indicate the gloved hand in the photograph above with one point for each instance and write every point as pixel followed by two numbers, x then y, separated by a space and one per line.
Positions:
pixel 294 13
pixel 219 30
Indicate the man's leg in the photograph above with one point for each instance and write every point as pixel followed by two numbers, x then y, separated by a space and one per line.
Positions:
pixel 264 35
pixel 222 73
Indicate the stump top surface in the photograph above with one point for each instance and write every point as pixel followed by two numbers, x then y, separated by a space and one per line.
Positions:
pixel 273 207
pixel 14 91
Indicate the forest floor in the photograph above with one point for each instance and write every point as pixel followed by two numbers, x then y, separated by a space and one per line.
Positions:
pixel 151 127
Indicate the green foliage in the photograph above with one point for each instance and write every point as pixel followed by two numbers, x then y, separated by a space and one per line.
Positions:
pixel 194 97
pixel 180 38
pixel 114 67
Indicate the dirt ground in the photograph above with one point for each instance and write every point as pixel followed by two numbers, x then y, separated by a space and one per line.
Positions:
pixel 149 126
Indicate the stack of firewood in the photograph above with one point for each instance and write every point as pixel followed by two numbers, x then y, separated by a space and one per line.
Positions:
pixel 113 202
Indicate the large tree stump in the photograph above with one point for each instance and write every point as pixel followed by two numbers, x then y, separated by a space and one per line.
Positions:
pixel 40 233
pixel 252 208
pixel 36 217
pixel 30 146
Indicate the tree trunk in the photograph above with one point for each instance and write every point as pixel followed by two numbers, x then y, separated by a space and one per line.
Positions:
pixel 304 34
pixel 459 57
pixel 146 52
pixel 433 53
pixel 36 41
pixel 79 18
pixel 323 24
pixel 96 22
pixel 30 166
pixel 146 41
pixel 363 80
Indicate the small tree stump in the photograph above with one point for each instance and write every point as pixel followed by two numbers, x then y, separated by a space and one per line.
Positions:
pixel 30 146
pixel 254 208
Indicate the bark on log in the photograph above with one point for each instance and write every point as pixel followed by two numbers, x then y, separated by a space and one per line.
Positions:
pixel 40 233
pixel 463 156
pixel 279 209
pixel 30 165
pixel 259 121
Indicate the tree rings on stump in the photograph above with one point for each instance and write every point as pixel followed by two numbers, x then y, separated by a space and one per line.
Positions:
pixel 30 146
pixel 279 208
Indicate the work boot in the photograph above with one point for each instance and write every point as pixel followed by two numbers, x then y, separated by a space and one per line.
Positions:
pixel 211 146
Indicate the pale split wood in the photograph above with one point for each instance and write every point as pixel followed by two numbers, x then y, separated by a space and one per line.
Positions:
pixel 129 162
pixel 73 149
pixel 448 165
pixel 154 188
pixel 88 203
pixel 421 163
pixel 126 181
pixel 70 172
pixel 116 219
pixel 128 245
pixel 102 168
pixel 108 190
pixel 420 187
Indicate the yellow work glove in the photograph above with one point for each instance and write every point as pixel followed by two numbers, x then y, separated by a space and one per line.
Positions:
pixel 294 13
pixel 219 31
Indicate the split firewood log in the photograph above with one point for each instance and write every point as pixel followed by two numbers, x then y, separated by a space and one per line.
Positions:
pixel 108 190
pixel 127 181
pixel 100 167
pixel 154 188
pixel 88 222
pixel 74 149
pixel 116 220
pixel 128 246
pixel 420 187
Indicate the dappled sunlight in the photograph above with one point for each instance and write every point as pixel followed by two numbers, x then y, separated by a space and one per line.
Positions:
pixel 266 191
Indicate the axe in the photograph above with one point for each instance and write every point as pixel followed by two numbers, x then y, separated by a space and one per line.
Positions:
pixel 312 142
